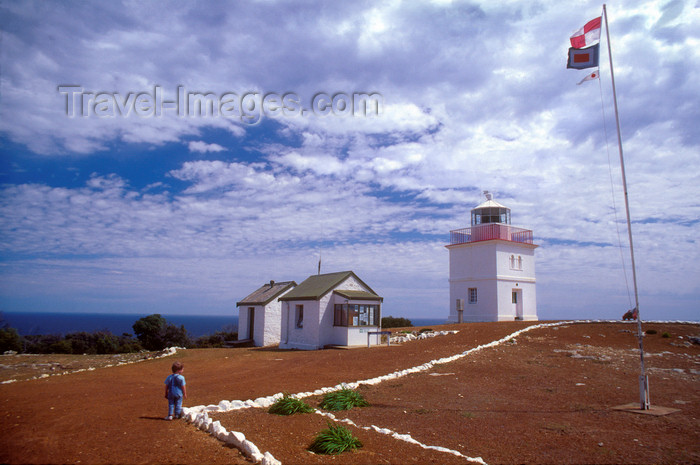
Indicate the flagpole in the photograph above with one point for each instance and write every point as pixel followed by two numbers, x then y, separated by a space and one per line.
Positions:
pixel 643 379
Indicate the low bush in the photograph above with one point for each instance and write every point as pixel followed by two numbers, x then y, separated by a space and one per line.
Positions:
pixel 10 340
pixel 665 334
pixel 344 399
pixel 391 322
pixel 334 440
pixel 289 405
pixel 650 331
pixel 218 339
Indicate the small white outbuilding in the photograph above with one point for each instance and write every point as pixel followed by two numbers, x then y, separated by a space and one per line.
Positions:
pixel 492 268
pixel 328 310
pixel 260 314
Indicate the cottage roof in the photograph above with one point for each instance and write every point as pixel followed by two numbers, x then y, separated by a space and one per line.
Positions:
pixel 266 293
pixel 316 286
pixel 358 295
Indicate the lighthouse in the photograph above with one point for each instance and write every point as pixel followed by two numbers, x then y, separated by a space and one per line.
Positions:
pixel 492 268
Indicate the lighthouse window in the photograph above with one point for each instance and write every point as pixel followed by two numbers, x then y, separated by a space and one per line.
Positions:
pixel 487 215
pixel 472 295
pixel 516 263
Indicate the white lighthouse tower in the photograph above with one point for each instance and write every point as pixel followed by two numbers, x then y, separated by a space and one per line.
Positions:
pixel 492 268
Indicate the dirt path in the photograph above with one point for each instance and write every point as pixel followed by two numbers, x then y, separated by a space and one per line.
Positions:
pixel 534 401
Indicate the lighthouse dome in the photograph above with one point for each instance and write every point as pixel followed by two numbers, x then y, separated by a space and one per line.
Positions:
pixel 490 211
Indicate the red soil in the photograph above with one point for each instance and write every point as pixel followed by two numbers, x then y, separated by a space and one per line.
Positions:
pixel 547 398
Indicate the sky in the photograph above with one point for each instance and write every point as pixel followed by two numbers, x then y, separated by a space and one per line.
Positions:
pixel 172 157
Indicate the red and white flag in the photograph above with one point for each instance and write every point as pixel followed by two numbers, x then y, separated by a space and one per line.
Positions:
pixel 587 34
pixel 590 77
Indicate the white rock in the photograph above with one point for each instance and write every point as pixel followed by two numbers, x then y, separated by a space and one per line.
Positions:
pixel 216 429
pixel 263 402
pixel 251 450
pixel 235 439
pixel 237 404
pixel 268 459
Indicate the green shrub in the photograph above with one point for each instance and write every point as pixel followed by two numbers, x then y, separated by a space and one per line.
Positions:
pixel 218 339
pixel 155 333
pixel 650 331
pixel 62 346
pixel 425 330
pixel 391 322
pixel 289 405
pixel 10 340
pixel 665 334
pixel 334 440
pixel 344 399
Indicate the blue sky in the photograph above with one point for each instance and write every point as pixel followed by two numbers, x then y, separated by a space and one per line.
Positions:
pixel 188 213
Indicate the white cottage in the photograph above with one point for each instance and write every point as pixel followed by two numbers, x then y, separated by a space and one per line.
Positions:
pixel 260 314
pixel 330 309
pixel 492 268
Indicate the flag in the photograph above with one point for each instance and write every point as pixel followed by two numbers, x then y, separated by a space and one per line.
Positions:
pixel 583 58
pixel 590 77
pixel 587 34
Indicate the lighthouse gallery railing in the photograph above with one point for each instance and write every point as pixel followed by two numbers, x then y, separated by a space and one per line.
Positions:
pixel 487 232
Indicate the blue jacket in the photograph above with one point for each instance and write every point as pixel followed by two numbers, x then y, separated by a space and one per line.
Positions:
pixel 175 383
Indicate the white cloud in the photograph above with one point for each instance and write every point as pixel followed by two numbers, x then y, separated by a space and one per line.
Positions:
pixel 203 147
pixel 474 96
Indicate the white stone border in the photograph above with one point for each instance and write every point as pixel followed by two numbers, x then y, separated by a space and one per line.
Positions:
pixel 166 353
pixel 198 415
pixel 401 437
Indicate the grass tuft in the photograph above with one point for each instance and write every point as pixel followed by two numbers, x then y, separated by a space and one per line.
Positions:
pixel 334 440
pixel 289 405
pixel 344 399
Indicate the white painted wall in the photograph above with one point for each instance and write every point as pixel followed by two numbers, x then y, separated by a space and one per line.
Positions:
pixel 305 338
pixel 486 266
pixel 319 316
pixel 267 329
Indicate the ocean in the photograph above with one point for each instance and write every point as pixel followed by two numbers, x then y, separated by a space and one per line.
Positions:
pixel 64 323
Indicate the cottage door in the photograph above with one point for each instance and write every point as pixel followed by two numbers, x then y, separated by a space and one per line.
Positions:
pixel 251 323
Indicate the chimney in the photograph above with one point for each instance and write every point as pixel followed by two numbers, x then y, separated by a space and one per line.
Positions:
pixel 272 284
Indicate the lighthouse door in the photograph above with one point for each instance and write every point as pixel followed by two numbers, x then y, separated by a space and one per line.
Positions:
pixel 517 299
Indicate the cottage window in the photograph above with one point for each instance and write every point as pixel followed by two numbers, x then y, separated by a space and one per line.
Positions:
pixel 472 295
pixel 356 315
pixel 300 316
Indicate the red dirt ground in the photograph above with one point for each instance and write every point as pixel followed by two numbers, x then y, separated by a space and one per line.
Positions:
pixel 547 398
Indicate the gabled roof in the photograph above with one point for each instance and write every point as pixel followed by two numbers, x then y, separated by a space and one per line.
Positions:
pixel 316 286
pixel 267 293
pixel 358 295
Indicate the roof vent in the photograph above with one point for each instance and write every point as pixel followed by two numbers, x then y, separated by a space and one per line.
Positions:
pixel 272 284
pixel 488 195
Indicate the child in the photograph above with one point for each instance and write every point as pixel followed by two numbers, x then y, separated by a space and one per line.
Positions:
pixel 175 391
